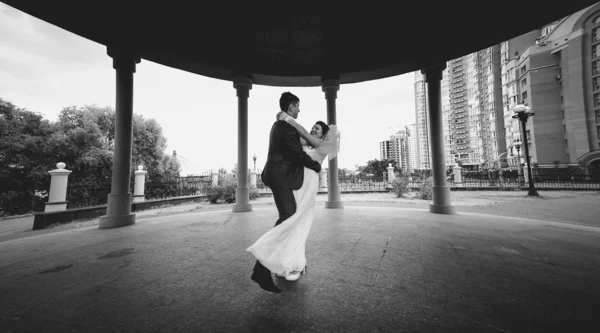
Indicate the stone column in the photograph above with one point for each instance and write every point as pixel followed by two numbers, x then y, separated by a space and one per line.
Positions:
pixel 242 195
pixel 441 192
pixel 330 87
pixel 57 198
pixel 118 209
pixel 215 178
pixel 140 182
pixel 390 172
pixel 253 178
pixel 457 176
pixel 323 178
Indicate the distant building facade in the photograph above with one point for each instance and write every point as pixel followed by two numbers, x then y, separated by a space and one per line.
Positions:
pixel 422 123
pixel 556 72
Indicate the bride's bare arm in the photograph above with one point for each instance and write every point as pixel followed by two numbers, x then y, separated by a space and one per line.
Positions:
pixel 304 134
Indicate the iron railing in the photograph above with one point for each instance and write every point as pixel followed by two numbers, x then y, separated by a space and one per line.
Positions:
pixel 520 182
pixel 85 195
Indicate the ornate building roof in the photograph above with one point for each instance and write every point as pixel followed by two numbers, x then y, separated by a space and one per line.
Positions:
pixel 224 39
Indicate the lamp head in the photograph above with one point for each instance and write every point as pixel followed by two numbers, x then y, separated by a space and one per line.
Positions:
pixel 520 108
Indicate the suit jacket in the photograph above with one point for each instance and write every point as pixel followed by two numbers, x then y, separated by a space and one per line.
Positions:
pixel 286 159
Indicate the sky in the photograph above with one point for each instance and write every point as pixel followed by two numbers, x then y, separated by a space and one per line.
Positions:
pixel 44 68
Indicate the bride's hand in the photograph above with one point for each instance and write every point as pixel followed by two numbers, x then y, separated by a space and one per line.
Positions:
pixel 281 115
pixel 290 120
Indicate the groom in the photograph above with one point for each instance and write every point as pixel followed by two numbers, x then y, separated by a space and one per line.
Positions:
pixel 283 173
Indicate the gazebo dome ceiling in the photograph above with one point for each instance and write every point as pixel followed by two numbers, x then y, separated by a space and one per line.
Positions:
pixel 298 50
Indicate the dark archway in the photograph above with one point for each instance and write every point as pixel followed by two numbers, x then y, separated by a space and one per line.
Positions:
pixel 593 169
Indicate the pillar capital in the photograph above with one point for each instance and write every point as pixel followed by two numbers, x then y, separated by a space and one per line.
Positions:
pixel 123 58
pixel 243 85
pixel 330 87
pixel 140 170
pixel 330 84
pixel 434 72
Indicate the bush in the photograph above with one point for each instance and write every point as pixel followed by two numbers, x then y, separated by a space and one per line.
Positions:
pixel 425 190
pixel 254 194
pixel 225 192
pixel 400 186
pixel 16 202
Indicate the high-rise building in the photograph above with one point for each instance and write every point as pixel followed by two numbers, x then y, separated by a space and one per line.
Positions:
pixel 556 72
pixel 384 149
pixel 474 109
pixel 412 147
pixel 510 51
pixel 396 148
pixel 471 110
pixel 422 124
pixel 446 115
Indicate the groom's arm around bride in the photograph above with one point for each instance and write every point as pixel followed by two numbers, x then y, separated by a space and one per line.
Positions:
pixel 286 159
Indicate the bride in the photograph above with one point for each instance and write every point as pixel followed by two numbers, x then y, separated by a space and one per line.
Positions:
pixel 282 249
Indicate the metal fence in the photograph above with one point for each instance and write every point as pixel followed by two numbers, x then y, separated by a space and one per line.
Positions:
pixel 85 195
pixel 520 182
pixel 360 184
pixel 178 187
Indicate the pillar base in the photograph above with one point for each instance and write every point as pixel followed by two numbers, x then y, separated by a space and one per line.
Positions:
pixel 240 208
pixel 334 204
pixel 139 198
pixel 118 211
pixel 442 209
pixel 107 222
pixel 55 206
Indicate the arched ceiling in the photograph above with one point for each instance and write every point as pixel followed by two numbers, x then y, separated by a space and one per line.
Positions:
pixel 223 40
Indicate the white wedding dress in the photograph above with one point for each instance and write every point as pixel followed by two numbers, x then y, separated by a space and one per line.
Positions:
pixel 282 249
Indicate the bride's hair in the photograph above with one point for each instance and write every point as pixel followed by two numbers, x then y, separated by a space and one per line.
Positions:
pixel 324 127
pixel 286 99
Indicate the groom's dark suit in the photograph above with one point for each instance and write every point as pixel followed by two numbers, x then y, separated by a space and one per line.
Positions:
pixel 284 169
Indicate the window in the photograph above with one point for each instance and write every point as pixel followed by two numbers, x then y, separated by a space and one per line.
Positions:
pixel 598 130
pixel 596 34
pixel 565 128
pixel 597 100
pixel 523 83
pixel 597 19
pixel 596 51
pixel 566 143
pixel 596 82
pixel 563 113
pixel 524 96
pixel 596 67
pixel 524 68
pixel 597 116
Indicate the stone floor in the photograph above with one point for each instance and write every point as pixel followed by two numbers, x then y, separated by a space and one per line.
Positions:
pixel 370 269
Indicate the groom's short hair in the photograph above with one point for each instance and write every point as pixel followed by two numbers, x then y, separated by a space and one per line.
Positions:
pixel 286 99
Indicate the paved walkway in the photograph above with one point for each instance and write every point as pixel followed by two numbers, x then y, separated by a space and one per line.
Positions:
pixel 371 269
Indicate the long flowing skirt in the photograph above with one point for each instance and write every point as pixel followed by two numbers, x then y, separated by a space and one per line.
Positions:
pixel 282 249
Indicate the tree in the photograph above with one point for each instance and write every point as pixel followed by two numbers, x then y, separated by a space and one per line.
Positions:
pixel 25 157
pixel 90 139
pixel 342 172
pixel 377 167
pixel 82 138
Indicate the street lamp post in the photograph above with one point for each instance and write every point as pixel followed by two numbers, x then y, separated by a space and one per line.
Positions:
pixel 522 112
pixel 254 158
pixel 519 167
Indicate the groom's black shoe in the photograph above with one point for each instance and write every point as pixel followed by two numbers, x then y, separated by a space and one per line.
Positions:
pixel 264 280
